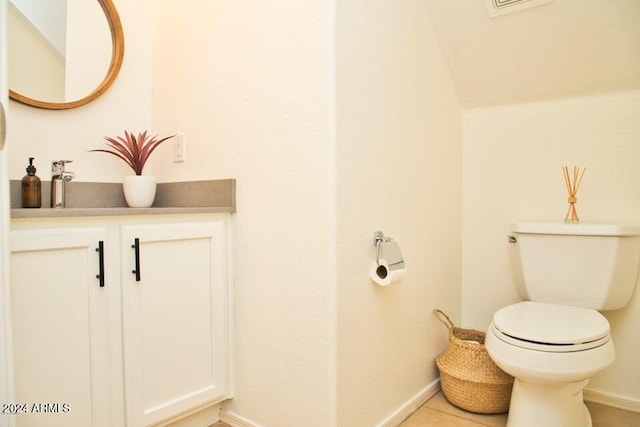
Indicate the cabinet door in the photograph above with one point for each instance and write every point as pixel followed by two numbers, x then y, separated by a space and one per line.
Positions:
pixel 174 318
pixel 59 328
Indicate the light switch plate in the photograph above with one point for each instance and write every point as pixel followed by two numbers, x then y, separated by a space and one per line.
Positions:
pixel 181 148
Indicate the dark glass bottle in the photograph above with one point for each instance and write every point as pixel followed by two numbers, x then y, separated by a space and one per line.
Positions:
pixel 31 188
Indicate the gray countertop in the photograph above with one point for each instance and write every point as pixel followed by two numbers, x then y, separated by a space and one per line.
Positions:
pixel 86 212
pixel 86 199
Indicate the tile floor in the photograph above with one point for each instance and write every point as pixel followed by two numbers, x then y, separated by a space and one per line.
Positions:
pixel 438 412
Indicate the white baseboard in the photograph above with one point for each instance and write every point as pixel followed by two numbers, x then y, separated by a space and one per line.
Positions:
pixel 203 416
pixel 612 399
pixel 392 420
pixel 411 405
pixel 235 420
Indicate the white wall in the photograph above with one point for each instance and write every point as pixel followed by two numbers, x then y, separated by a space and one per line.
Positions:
pixel 399 157
pixel 255 102
pixel 67 134
pixel 513 157
pixel 569 48
pixel 248 82
pixel 36 68
pixel 48 17
pixel 89 48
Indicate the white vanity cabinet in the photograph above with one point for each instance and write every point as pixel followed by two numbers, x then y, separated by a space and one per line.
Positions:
pixel 60 318
pixel 150 345
pixel 174 292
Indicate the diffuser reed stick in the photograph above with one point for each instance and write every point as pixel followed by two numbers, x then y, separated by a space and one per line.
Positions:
pixel 573 184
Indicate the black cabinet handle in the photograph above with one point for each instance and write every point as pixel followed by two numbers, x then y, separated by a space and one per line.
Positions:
pixel 136 247
pixel 100 250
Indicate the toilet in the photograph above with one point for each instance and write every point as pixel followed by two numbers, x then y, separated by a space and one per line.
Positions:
pixel 555 340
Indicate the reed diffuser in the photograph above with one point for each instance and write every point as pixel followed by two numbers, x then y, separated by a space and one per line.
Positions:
pixel 573 184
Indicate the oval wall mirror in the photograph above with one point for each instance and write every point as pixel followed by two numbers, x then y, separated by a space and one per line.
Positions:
pixel 62 53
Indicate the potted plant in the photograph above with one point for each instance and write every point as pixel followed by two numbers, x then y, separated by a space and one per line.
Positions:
pixel 139 190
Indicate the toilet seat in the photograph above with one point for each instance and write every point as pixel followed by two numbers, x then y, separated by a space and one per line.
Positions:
pixel 550 327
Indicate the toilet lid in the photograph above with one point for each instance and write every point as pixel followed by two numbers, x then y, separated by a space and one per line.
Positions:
pixel 534 324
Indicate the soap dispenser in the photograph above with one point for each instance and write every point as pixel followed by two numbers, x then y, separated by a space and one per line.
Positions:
pixel 31 188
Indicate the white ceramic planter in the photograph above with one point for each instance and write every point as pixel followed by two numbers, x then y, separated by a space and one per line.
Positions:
pixel 139 190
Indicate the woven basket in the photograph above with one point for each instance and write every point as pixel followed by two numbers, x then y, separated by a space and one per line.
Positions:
pixel 469 378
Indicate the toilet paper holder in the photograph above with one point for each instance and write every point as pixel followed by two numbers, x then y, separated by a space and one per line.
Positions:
pixel 392 250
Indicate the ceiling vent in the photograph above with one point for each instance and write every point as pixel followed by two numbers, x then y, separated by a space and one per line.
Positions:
pixel 500 7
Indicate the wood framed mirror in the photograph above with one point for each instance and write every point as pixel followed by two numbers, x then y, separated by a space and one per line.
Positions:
pixel 68 66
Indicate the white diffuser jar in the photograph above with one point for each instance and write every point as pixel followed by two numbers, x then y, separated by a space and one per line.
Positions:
pixel 139 190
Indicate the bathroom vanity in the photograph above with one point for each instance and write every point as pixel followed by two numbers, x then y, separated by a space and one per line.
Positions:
pixel 120 316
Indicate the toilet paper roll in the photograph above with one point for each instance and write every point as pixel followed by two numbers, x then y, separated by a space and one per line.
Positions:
pixel 382 275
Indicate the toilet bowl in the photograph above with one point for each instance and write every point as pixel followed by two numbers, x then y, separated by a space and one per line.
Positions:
pixel 555 340
pixel 552 351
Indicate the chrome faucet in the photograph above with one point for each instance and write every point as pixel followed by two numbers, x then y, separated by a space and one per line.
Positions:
pixel 58 177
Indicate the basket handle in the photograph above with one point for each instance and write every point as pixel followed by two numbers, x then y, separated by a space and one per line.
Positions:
pixel 443 318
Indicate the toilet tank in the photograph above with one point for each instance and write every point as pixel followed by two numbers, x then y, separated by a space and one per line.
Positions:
pixel 584 265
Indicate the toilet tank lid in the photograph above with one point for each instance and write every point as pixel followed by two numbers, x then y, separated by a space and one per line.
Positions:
pixel 577 229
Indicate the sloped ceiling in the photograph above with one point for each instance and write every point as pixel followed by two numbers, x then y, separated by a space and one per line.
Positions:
pixel 560 49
